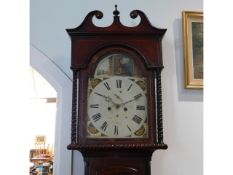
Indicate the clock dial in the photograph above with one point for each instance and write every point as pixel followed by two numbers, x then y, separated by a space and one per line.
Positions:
pixel 117 107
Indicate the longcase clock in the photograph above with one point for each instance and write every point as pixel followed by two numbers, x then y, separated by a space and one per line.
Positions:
pixel 117 95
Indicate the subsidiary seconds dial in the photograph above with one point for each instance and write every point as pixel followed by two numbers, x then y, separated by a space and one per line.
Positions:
pixel 117 107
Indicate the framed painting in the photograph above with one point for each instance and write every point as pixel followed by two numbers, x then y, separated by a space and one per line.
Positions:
pixel 193 48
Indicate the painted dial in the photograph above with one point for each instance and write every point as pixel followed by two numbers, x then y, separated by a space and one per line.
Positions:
pixel 117 107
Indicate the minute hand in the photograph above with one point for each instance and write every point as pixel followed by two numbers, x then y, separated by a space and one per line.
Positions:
pixel 135 98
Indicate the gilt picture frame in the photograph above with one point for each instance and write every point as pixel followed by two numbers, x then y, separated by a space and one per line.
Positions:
pixel 193 49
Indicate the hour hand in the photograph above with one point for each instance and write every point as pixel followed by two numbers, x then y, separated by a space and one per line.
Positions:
pixel 118 97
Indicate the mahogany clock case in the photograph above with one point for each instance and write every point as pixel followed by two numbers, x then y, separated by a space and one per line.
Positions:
pixel 89 45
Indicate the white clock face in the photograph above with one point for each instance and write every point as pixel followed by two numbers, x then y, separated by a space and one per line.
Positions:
pixel 117 107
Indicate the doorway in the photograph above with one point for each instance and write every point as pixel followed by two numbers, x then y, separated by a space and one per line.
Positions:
pixel 42 109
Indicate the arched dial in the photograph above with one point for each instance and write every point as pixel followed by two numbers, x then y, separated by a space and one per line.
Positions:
pixel 117 107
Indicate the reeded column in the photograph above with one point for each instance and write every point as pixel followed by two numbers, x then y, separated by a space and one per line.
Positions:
pixel 159 106
pixel 74 120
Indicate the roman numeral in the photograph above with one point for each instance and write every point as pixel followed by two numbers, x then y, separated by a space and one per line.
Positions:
pixel 140 107
pixel 137 96
pixel 94 106
pixel 118 83
pixel 137 119
pixel 129 87
pixel 96 117
pixel 116 130
pixel 129 128
pixel 107 85
pixel 104 126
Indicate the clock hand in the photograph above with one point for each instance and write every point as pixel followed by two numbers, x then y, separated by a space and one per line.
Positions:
pixel 108 99
pixel 122 104
pixel 118 97
pixel 134 98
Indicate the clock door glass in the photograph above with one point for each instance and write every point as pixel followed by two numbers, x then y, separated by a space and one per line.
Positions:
pixel 117 99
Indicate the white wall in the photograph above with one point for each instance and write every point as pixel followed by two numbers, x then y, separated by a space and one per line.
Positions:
pixel 182 109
